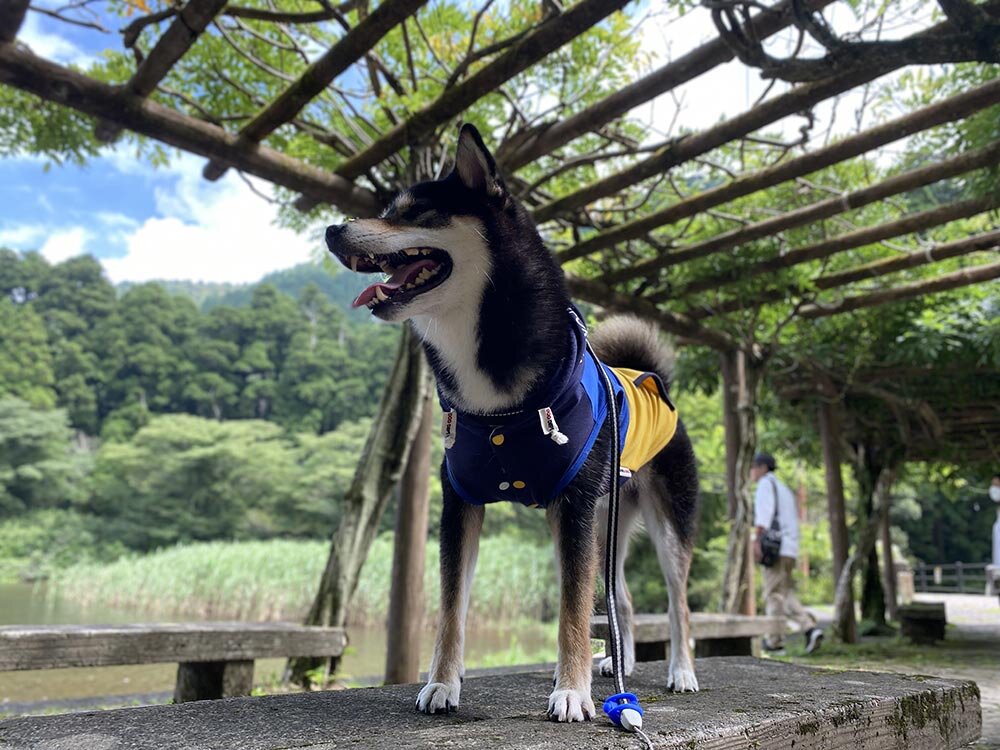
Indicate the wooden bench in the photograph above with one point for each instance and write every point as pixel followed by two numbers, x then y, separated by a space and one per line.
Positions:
pixel 215 659
pixel 714 634
pixel 744 703
pixel 922 622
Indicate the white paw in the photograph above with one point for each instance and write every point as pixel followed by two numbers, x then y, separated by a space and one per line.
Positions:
pixel 608 671
pixel 439 697
pixel 682 680
pixel 571 705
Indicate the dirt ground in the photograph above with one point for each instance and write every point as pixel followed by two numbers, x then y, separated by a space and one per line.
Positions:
pixel 971 651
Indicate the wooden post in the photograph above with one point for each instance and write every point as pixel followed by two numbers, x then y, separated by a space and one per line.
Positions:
pixel 380 468
pixel 406 595
pixel 829 432
pixel 739 392
pixel 208 680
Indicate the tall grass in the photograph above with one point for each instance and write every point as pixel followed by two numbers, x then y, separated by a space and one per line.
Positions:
pixel 277 580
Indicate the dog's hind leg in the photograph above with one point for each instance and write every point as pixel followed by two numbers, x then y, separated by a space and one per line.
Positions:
pixel 628 513
pixel 572 525
pixel 460 527
pixel 674 555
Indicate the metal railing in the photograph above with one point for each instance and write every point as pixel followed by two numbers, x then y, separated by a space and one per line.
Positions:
pixel 950 578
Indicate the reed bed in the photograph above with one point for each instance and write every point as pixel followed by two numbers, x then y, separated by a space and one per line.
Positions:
pixel 277 579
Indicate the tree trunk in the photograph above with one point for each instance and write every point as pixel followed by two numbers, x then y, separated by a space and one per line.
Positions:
pixel 829 430
pixel 406 596
pixel 888 565
pixel 740 377
pixel 379 469
pixel 874 482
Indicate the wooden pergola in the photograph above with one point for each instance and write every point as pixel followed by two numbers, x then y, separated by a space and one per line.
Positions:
pixel 622 235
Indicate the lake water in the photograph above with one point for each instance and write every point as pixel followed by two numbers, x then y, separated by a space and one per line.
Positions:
pixel 26 604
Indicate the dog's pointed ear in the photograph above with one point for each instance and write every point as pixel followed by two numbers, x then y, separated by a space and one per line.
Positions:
pixel 474 164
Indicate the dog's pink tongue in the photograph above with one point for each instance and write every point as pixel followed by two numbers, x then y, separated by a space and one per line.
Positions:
pixel 400 277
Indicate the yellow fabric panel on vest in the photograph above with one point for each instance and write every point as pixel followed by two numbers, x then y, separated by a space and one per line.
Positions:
pixel 652 421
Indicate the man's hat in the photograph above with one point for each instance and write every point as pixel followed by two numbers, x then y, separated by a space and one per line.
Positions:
pixel 765 459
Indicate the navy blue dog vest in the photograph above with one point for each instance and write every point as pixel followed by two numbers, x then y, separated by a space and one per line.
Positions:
pixel 531 455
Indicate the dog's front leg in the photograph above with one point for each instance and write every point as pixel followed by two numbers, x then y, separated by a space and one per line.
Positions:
pixel 460 527
pixel 572 527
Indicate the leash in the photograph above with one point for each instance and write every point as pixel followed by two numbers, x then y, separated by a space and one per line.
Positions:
pixel 622 708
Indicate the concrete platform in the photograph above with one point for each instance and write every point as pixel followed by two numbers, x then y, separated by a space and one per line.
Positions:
pixel 744 703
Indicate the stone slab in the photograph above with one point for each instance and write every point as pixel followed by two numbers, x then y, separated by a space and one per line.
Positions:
pixel 744 703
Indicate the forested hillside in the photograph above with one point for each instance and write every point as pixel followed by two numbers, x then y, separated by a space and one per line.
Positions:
pixel 131 419
pixel 111 361
pixel 338 288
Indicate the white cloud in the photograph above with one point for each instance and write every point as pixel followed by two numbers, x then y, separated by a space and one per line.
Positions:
pixel 65 244
pixel 207 231
pixel 22 236
pixel 51 46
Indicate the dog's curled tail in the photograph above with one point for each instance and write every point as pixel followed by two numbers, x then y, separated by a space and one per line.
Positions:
pixel 627 341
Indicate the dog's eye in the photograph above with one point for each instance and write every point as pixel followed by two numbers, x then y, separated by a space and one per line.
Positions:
pixel 427 217
pixel 421 215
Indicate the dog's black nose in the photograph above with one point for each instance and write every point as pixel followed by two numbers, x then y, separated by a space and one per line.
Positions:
pixel 333 232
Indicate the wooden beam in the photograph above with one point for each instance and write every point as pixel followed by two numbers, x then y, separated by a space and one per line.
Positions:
pixel 674 323
pixel 688 147
pixel 869 235
pixel 12 14
pixel 938 113
pixel 956 280
pixel 525 147
pixel 183 31
pixel 873 270
pixel 24 70
pixel 537 44
pixel 349 49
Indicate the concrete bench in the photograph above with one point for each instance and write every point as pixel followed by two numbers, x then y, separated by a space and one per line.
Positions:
pixel 215 659
pixel 922 622
pixel 714 634
pixel 744 703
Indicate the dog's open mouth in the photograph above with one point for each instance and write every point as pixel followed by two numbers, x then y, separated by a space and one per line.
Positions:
pixel 411 272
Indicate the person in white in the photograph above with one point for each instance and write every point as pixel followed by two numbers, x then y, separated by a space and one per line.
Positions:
pixel 995 497
pixel 774 499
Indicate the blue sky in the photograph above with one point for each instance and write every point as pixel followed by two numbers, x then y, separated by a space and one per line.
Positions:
pixel 144 223
pixel 169 223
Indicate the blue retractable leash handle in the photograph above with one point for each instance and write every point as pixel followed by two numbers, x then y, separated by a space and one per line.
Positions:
pixel 624 711
pixel 622 708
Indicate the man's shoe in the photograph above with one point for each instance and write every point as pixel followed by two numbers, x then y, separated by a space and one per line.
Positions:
pixel 773 650
pixel 814 637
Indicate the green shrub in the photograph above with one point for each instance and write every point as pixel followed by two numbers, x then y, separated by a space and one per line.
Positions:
pixel 38 544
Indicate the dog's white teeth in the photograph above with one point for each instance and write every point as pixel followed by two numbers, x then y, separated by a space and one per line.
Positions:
pixel 354 263
pixel 372 302
pixel 410 286
pixel 412 251
pixel 380 295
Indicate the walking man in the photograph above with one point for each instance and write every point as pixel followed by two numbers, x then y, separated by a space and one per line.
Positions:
pixel 775 503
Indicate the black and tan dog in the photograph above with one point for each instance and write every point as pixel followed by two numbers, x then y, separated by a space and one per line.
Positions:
pixel 523 418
